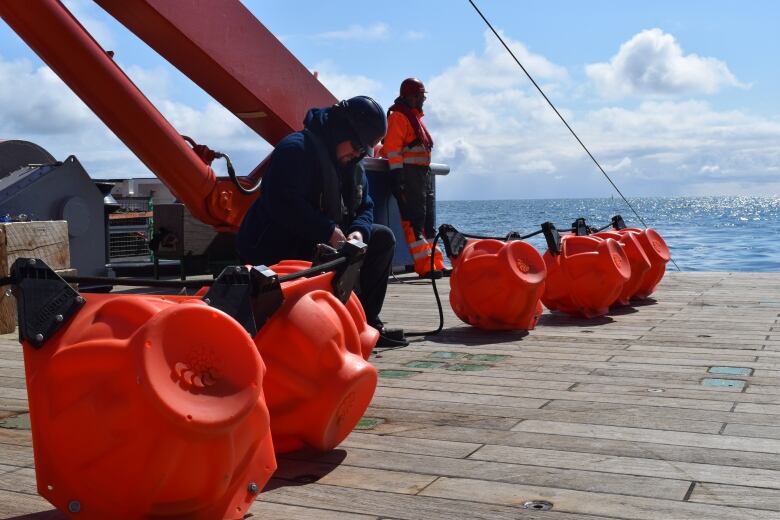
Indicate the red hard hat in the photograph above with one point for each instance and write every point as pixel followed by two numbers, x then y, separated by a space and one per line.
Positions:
pixel 412 86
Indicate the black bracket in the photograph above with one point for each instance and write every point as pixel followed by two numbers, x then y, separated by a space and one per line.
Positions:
pixel 513 235
pixel 267 294
pixel 552 237
pixel 454 241
pixel 347 275
pixel 249 294
pixel 44 301
pixel 618 223
pixel 580 228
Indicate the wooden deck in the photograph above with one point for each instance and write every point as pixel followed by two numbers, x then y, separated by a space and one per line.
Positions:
pixel 605 418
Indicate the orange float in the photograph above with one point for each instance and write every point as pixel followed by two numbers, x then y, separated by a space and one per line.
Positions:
pixel 141 406
pixel 586 277
pixel 657 252
pixel 319 383
pixel 637 259
pixel 496 285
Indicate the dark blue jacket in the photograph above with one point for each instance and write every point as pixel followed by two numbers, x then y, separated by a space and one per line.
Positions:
pixel 287 220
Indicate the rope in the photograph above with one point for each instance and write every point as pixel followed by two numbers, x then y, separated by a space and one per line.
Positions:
pixel 500 39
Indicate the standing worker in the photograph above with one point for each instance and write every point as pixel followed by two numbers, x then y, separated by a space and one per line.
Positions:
pixel 407 147
pixel 314 191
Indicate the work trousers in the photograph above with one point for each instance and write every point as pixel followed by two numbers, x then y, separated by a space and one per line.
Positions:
pixel 416 199
pixel 374 272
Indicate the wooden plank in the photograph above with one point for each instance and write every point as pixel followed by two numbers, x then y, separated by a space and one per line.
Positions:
pixel 736 496
pixel 578 502
pixel 272 511
pixel 15 504
pixel 356 477
pixel 607 447
pixel 516 471
pixel 401 411
pixel 721 442
pixel 46 240
pixel 744 430
pixel 411 389
pixel 403 445
pixel 404 507
pixel 682 471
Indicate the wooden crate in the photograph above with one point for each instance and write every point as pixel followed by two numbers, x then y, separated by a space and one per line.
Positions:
pixel 46 240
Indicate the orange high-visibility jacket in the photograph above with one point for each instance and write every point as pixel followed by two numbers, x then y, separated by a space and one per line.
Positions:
pixel 401 145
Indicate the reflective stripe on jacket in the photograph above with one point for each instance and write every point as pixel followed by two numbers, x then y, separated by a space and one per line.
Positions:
pixel 401 145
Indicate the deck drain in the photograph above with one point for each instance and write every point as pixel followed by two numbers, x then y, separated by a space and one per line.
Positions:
pixel 655 390
pixel 538 505
pixel 731 371
pixel 728 383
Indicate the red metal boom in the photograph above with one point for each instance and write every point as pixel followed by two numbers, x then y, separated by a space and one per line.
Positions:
pixel 219 44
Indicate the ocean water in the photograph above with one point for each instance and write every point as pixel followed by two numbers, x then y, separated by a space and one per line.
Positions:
pixel 703 233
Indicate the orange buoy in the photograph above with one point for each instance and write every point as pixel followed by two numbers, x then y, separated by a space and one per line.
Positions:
pixel 658 254
pixel 637 259
pixel 319 383
pixel 496 285
pixel 147 407
pixel 587 277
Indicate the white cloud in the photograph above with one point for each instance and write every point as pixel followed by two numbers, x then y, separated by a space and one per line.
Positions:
pixel 501 139
pixel 374 32
pixel 343 85
pixel 414 35
pixel 653 63
pixel 53 117
pixel 622 164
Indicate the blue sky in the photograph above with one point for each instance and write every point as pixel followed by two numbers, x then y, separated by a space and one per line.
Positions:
pixel 674 98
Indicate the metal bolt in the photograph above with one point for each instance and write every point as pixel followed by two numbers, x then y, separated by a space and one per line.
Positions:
pixel 74 506
pixel 32 261
pixel 39 337
pixel 207 301
pixel 59 318
pixel 80 299
pixel 253 488
pixel 538 505
pixel 9 292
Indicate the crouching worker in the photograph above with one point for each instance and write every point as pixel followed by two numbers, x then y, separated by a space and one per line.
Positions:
pixel 314 191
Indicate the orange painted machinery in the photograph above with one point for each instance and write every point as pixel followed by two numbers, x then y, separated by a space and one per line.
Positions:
pixel 586 275
pixel 637 259
pixel 141 406
pixel 494 284
pixel 165 406
pixel 319 382
pixel 657 253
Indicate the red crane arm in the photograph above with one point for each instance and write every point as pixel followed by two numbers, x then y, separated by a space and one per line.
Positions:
pixel 223 48
pixel 219 44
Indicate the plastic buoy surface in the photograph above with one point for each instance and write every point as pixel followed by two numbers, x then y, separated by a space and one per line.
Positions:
pixel 657 252
pixel 319 383
pixel 497 285
pixel 149 407
pixel 637 259
pixel 587 277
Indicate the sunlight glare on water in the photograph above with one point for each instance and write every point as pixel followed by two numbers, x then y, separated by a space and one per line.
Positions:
pixel 703 233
